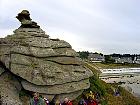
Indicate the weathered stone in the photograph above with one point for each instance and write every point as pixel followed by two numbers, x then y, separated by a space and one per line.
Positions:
pixel 9 89
pixel 45 43
pixel 30 32
pixel 58 59
pixel 9 42
pixel 49 73
pixel 40 42
pixel 65 60
pixel 43 52
pixel 1 70
pixel 41 72
pixel 57 89
pixel 5 59
pixel 66 52
pixel 24 18
pixel 5 49
pixel 48 66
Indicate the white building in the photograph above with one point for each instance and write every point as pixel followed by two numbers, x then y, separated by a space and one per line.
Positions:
pixel 123 60
pixel 137 60
pixel 95 57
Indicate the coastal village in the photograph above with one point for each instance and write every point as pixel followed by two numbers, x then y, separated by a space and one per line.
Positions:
pixel 116 68
pixel 118 58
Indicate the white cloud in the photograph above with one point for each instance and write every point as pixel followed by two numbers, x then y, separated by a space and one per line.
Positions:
pixel 94 25
pixel 5 32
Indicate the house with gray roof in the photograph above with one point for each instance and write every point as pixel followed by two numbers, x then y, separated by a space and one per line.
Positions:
pixel 95 57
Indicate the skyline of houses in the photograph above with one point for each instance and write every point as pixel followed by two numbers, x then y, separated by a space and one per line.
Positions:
pixel 95 57
pixel 118 58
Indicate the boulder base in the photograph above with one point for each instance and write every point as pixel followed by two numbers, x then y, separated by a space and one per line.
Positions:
pixel 9 89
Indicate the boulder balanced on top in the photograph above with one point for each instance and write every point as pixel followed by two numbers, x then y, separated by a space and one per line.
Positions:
pixel 48 66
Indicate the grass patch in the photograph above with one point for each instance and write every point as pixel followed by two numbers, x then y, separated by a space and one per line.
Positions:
pixel 115 66
pixel 106 91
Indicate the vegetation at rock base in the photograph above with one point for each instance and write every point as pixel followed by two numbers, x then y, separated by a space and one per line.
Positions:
pixel 106 91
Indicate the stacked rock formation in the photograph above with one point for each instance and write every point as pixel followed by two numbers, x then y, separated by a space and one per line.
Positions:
pixel 48 66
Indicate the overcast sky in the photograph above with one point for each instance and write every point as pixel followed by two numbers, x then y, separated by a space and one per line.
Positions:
pixel 105 26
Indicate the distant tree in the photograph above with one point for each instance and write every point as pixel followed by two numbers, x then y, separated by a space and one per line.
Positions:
pixel 98 53
pixel 83 54
pixel 133 56
pixel 115 55
pixel 108 59
pixel 101 54
pixel 95 53
pixel 126 55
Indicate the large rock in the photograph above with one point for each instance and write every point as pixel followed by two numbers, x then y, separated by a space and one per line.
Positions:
pixel 44 65
pixel 9 89
pixel 46 72
pixel 57 89
pixel 42 52
pixel 51 75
